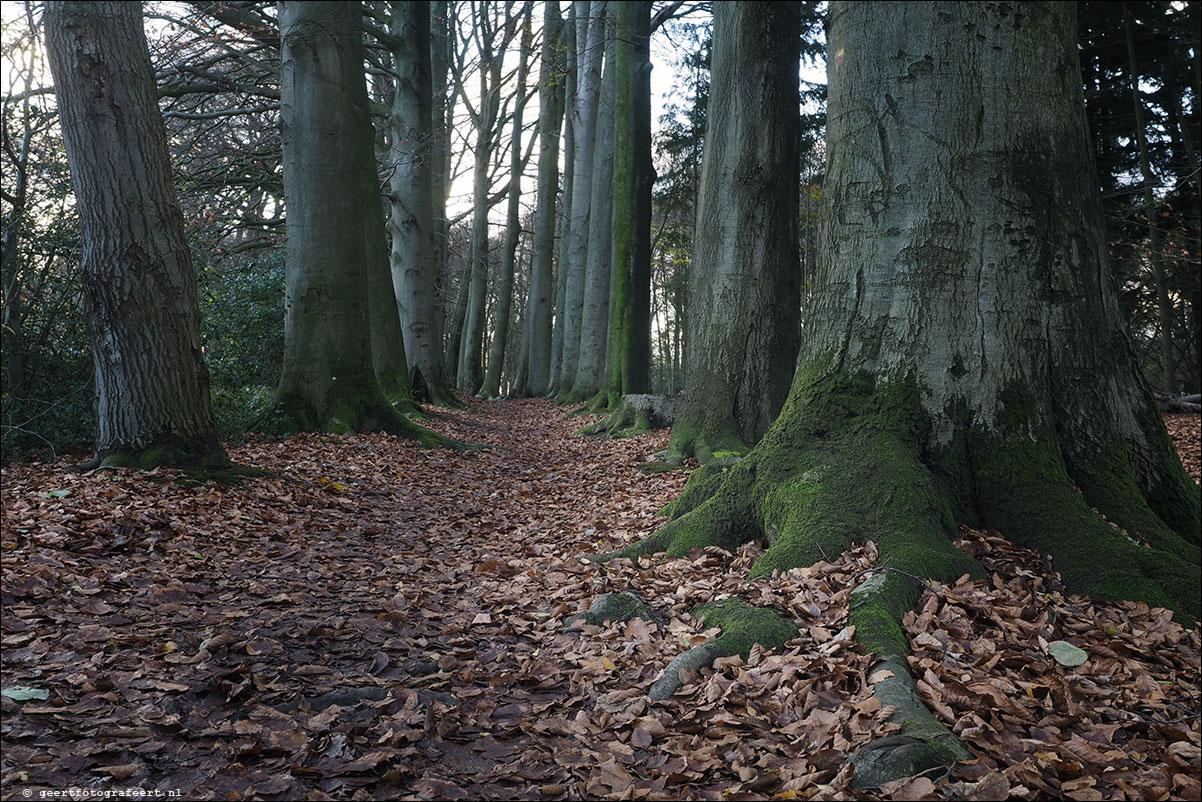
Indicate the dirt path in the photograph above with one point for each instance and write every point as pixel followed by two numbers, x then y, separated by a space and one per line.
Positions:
pixel 383 621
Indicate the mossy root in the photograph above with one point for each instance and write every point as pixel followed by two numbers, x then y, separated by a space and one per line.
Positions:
pixel 743 626
pixel 923 741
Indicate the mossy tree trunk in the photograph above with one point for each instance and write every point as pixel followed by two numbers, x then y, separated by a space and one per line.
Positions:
pixel 139 289
pixel 414 257
pixel 745 282
pixel 965 355
pixel 329 378
pixel 628 368
pixel 536 345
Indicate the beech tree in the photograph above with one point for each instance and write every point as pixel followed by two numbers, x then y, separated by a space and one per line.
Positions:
pixel 537 341
pixel 590 27
pixel 139 290
pixel 336 260
pixel 745 284
pixel 965 358
pixel 591 343
pixel 414 259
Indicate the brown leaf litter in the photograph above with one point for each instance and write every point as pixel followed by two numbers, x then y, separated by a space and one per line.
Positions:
pixel 384 621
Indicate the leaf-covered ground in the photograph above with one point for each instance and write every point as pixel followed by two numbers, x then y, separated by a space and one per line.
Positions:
pixel 383 621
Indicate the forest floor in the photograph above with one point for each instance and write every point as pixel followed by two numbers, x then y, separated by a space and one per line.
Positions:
pixel 379 621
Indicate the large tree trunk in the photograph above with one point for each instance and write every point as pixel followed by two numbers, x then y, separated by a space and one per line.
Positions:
pixel 328 381
pixel 537 346
pixel 139 291
pixel 590 29
pixel 965 355
pixel 513 224
pixel 414 259
pixel 629 364
pixel 591 347
pixel 745 284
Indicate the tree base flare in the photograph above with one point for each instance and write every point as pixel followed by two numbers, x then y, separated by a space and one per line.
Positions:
pixel 346 412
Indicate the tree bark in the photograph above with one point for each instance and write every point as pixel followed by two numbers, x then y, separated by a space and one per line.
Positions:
pixel 414 258
pixel 744 284
pixel 328 381
pixel 537 345
pixel 139 290
pixel 592 346
pixel 590 28
pixel 629 364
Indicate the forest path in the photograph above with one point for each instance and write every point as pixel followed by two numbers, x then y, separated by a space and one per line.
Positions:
pixel 385 621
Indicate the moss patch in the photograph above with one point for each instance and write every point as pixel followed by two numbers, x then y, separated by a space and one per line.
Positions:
pixel 611 607
pixel 743 626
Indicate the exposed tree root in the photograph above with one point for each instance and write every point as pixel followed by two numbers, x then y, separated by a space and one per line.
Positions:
pixel 634 415
pixel 846 463
pixel 610 607
pixel 923 742
pixel 743 626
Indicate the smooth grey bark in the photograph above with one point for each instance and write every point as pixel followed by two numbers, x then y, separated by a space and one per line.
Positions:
pixel 565 215
pixel 592 346
pixel 139 289
pixel 537 344
pixel 513 224
pixel 744 286
pixel 414 258
pixel 636 345
pixel 328 380
pixel 590 29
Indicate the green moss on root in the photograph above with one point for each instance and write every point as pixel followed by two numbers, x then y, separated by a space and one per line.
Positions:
pixel 702 484
pixel 743 626
pixel 709 445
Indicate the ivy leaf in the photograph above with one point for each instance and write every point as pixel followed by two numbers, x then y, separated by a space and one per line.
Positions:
pixel 1066 654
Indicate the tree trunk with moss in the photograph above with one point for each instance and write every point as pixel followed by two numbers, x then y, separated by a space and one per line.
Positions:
pixel 139 289
pixel 745 282
pixel 965 355
pixel 328 381
pixel 628 368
